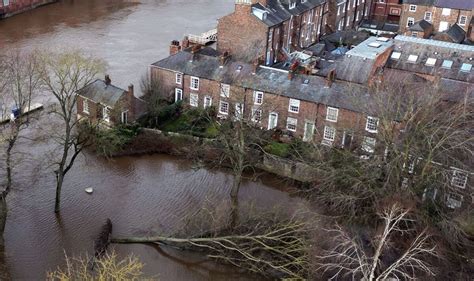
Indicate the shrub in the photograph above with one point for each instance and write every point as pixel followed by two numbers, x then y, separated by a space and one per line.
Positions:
pixel 278 149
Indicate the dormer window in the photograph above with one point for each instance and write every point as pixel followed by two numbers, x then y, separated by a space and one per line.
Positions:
pixel 292 4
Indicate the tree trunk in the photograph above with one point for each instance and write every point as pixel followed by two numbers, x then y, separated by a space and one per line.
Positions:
pixel 3 214
pixel 59 185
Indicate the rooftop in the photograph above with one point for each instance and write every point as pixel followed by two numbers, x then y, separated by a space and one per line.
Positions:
pixel 99 92
pixel 370 48
pixel 278 11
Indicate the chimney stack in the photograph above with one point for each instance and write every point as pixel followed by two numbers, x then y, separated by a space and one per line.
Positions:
pixel 175 47
pixel 223 58
pixel 185 42
pixel 130 90
pixel 330 78
pixel 107 80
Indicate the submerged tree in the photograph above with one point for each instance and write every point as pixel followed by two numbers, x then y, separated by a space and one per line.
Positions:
pixel 63 74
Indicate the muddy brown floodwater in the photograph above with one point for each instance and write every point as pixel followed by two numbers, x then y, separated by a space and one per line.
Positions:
pixel 142 195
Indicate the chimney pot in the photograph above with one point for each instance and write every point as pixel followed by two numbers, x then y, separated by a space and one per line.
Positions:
pixel 108 81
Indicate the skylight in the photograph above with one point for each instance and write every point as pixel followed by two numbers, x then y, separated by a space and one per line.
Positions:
pixel 382 39
pixel 447 64
pixel 396 55
pixel 306 81
pixel 412 58
pixel 466 67
pixel 375 45
pixel 430 61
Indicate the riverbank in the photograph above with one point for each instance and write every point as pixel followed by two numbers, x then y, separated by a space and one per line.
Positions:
pixel 18 7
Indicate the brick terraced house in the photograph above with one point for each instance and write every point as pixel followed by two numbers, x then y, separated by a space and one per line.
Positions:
pixel 349 14
pixel 12 7
pixel 102 102
pixel 442 14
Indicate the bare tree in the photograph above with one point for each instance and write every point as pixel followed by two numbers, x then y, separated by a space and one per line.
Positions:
pixel 351 256
pixel 63 74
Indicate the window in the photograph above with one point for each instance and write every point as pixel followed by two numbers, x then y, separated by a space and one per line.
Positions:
pixel 291 124
pixel 462 20
pixel 466 67
pixel 412 8
pixel 239 110
pixel 257 97
pixel 430 61
pixel 446 12
pixel 179 78
pixel 396 55
pixel 178 94
pixel 447 64
pixel 348 21
pixel 414 34
pixel 331 114
pixel 428 16
pixel 224 107
pixel 329 133
pixel 368 144
pixel 338 10
pixel 294 106
pixel 308 131
pixel 207 101
pixel 443 25
pixel 459 179
pixel 85 106
pixel 256 114
pixel 292 4
pixel 410 21
pixel 272 120
pixel 454 200
pixel 124 117
pixel 106 114
pixel 194 100
pixel 6 3
pixel 194 83
pixel 412 58
pixel 372 124
pixel 225 90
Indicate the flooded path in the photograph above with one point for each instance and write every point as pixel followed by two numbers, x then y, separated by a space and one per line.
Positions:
pixel 142 195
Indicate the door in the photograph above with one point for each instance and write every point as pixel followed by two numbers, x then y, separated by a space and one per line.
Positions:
pixel 178 95
pixel 272 120
pixel 308 131
pixel 346 140
pixel 443 25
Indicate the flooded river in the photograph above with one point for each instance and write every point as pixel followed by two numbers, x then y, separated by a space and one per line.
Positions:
pixel 142 195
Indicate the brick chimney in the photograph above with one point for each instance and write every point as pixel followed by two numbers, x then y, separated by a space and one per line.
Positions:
pixel 175 47
pixel 224 58
pixel 185 42
pixel 330 78
pixel 107 80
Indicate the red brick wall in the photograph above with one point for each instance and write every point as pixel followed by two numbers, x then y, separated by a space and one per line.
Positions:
pixel 18 6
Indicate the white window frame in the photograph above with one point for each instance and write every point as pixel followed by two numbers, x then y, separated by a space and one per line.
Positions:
pixel 412 8
pixel 410 19
pixel 461 21
pixel 270 125
pixel 206 103
pixel 371 123
pixel 85 106
pixel 257 114
pixel 223 104
pixel 225 90
pixel 292 4
pixel 290 122
pixel 428 16
pixel 106 114
pixel 294 106
pixel 454 203
pixel 329 133
pixel 309 137
pixel 194 83
pixel 178 94
pixel 368 144
pixel 124 117
pixel 257 97
pixel 446 12
pixel 194 100
pixel 459 179
pixel 179 78
pixel 332 114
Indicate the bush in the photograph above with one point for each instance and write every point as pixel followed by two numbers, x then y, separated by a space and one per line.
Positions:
pixel 278 149
pixel 108 142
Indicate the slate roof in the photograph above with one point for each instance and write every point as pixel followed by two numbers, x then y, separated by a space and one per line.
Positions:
pixel 269 80
pixel 368 50
pixel 279 11
pixel 424 49
pixel 98 91
pixel 456 33
pixel 421 25
pixel 383 26
pixel 455 4
pixel 420 2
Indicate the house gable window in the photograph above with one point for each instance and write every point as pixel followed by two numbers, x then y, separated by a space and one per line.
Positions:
pixel 179 78
pixel 194 83
pixel 224 107
pixel 291 124
pixel 332 114
pixel 178 94
pixel 257 97
pixel 85 106
pixel 194 100
pixel 372 124
pixel 225 90
pixel 459 179
pixel 294 106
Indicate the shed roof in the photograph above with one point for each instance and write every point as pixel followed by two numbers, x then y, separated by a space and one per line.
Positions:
pixel 455 4
pixel 421 25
